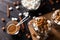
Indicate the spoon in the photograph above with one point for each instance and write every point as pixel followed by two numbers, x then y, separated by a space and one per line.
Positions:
pixel 22 21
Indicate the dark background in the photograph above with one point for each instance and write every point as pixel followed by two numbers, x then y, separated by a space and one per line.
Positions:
pixel 45 7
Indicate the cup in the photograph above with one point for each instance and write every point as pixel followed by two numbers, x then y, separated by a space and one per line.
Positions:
pixel 11 28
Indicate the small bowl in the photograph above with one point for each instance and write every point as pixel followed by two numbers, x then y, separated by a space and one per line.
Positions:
pixel 9 24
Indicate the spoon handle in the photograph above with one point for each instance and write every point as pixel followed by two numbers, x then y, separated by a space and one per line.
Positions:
pixel 22 21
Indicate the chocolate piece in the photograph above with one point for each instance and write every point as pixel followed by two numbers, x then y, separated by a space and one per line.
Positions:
pixel 19 35
pixel 8 12
pixel 34 35
pixel 57 1
pixel 3 20
pixel 51 2
pixel 3 28
pixel 28 35
pixel 18 3
pixel 14 3
pixel 53 8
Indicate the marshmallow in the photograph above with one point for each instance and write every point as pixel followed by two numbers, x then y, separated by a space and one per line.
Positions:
pixel 36 18
pixel 41 31
pixel 26 13
pixel 57 11
pixel 49 21
pixel 10 8
pixel 54 16
pixel 55 21
pixel 33 17
pixel 58 23
pixel 14 19
pixel 34 24
pixel 38 37
pixel 49 28
pixel 17 7
pixel 20 14
pixel 36 29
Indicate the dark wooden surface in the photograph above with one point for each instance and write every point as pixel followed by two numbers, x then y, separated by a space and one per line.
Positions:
pixel 3 9
pixel 14 13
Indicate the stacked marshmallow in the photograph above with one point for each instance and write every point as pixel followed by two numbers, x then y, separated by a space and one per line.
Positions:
pixel 54 16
